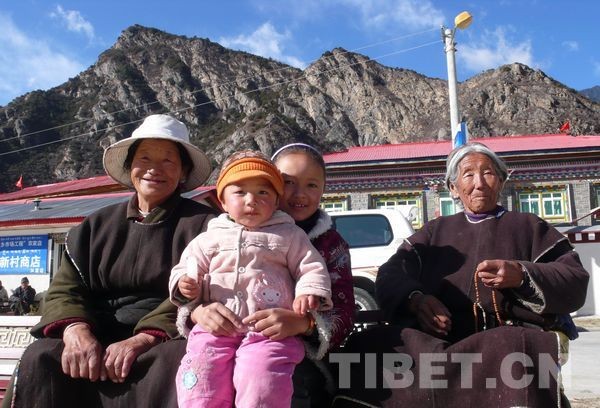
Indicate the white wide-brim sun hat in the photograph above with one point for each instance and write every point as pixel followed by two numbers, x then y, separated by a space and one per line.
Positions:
pixel 162 127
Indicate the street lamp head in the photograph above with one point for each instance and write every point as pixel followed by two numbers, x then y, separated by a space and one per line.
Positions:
pixel 463 20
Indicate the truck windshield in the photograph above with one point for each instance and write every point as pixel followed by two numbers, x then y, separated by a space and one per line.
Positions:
pixel 364 230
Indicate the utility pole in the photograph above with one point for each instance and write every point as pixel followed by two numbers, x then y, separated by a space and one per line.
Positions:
pixel 461 21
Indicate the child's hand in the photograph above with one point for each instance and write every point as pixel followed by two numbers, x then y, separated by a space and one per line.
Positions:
pixel 304 303
pixel 314 302
pixel 189 287
pixel 276 324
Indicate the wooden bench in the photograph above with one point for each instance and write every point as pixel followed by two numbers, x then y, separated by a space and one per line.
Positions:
pixel 14 339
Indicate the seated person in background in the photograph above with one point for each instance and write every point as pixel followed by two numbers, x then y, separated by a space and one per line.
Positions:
pixel 486 284
pixel 251 258
pixel 3 293
pixel 22 298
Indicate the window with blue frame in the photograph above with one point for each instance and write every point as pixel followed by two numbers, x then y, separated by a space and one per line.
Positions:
pixel 447 204
pixel 334 204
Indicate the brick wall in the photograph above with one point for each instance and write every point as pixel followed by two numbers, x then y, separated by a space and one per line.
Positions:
pixel 358 201
pixel 581 201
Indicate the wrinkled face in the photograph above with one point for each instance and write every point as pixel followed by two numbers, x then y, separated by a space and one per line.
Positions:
pixel 303 187
pixel 477 185
pixel 156 171
pixel 250 202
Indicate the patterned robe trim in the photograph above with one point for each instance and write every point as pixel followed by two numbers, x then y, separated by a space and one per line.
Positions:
pixel 317 352
pixel 184 314
pixel 323 225
pixel 536 302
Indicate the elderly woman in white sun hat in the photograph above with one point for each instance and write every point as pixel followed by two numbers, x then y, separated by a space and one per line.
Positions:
pixel 104 326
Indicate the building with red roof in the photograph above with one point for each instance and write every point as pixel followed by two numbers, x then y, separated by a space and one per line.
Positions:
pixel 555 176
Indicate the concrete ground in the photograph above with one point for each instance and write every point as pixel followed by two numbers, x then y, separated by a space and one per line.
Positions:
pixel 581 374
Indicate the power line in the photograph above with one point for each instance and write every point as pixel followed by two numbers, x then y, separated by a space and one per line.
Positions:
pixel 212 101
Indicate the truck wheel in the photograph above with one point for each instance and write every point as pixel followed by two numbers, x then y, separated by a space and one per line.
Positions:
pixel 364 300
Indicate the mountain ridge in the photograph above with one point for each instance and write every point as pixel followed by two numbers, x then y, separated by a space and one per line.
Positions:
pixel 593 93
pixel 234 100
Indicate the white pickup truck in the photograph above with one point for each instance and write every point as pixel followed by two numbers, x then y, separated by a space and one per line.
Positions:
pixel 374 236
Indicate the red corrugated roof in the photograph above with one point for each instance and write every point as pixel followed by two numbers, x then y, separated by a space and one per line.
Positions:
pixel 65 188
pixel 67 198
pixel 404 151
pixel 89 186
pixel 63 222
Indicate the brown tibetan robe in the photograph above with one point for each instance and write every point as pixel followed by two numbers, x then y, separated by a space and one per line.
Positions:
pixel 440 260
pixel 114 275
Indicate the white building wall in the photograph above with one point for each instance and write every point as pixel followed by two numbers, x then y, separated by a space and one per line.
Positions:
pixel 589 253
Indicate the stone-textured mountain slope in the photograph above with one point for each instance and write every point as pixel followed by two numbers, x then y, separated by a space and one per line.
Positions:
pixel 593 93
pixel 233 100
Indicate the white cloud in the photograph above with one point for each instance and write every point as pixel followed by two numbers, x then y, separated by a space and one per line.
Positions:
pixel 27 63
pixel 74 21
pixel 571 45
pixel 266 41
pixel 596 68
pixel 495 49
pixel 411 14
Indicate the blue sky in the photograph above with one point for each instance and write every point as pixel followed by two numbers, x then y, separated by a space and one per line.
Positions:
pixel 43 43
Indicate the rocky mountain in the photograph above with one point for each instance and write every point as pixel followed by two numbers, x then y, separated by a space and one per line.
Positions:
pixel 593 93
pixel 233 100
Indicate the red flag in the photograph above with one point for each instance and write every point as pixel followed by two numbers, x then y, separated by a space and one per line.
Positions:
pixel 565 127
pixel 19 183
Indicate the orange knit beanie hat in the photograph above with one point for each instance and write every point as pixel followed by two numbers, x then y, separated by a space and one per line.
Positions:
pixel 248 167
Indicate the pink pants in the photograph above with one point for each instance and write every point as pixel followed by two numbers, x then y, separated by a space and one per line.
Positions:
pixel 253 369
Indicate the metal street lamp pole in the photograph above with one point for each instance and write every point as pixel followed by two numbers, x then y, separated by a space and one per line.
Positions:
pixel 461 21
pixel 449 49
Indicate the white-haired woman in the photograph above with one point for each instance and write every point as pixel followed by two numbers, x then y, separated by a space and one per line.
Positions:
pixel 490 292
pixel 106 317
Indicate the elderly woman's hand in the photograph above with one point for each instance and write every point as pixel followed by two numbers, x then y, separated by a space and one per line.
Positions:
pixel 82 355
pixel 119 356
pixel 433 316
pixel 500 274
pixel 217 319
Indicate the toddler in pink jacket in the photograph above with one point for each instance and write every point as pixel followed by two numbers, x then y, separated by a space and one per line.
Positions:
pixel 252 257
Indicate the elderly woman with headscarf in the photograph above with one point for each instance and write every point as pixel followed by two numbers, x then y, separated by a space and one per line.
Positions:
pixel 106 316
pixel 490 290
